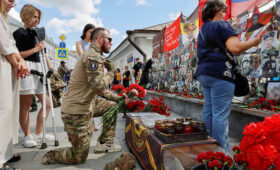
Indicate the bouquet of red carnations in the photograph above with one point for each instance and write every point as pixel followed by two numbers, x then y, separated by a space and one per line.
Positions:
pixel 258 149
pixel 118 88
pixel 214 161
pixel 260 146
pixel 134 92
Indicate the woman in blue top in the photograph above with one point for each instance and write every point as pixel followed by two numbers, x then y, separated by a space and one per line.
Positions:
pixel 83 45
pixel 214 72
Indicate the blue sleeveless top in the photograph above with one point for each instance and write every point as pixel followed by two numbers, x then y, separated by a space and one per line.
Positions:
pixel 85 45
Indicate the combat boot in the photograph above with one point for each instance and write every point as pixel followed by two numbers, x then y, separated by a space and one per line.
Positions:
pixel 101 148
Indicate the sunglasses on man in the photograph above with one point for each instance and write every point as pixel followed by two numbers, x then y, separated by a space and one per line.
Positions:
pixel 109 38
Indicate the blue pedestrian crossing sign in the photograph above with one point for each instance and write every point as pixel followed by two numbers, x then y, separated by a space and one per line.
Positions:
pixel 62 53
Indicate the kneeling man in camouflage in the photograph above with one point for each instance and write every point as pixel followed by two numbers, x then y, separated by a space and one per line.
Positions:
pixel 87 82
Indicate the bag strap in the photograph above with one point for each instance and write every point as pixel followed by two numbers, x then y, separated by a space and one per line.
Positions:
pixel 218 50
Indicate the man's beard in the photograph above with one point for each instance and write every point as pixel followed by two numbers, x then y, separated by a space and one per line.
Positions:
pixel 104 50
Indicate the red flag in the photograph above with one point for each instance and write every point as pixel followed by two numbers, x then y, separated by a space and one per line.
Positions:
pixel 239 6
pixel 201 4
pixel 228 14
pixel 171 36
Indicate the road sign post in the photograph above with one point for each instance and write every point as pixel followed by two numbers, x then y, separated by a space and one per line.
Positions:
pixel 62 53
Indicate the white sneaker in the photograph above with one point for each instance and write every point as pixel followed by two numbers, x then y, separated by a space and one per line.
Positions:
pixel 39 137
pixel 28 141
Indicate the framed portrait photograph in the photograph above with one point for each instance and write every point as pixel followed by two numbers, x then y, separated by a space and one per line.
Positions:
pixel 273 91
pixel 269 42
pixel 241 22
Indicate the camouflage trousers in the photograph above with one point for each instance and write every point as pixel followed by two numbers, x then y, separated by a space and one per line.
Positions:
pixel 79 129
pixel 101 106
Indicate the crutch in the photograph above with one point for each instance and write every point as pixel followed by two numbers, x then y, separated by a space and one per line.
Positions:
pixel 39 34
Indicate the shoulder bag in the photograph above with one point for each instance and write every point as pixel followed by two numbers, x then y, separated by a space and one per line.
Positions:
pixel 241 82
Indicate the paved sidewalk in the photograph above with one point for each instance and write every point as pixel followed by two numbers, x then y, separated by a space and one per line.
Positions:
pixel 31 157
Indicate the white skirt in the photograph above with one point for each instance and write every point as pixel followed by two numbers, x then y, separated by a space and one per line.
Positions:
pixel 9 110
pixel 31 84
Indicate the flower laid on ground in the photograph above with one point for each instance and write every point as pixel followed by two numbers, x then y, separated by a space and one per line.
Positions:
pixel 158 106
pixel 214 161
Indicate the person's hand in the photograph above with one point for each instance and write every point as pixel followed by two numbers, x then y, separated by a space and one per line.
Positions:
pixel 15 69
pixel 126 100
pixel 109 65
pixel 135 92
pixel 40 46
pixel 257 40
pixel 23 70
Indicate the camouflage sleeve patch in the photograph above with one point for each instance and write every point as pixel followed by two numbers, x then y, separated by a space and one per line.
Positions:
pixel 110 95
pixel 95 73
pixel 93 66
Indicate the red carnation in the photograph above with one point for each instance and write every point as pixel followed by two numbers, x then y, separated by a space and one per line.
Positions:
pixel 240 158
pixel 215 163
pixel 236 149
pixel 227 161
pixel 202 157
pixel 220 155
pixel 210 155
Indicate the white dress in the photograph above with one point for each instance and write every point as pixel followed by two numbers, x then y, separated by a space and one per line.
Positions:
pixel 9 94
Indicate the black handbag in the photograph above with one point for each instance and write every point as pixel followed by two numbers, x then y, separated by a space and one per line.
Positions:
pixel 240 81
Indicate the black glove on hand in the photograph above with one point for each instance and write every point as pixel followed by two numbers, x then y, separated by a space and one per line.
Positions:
pixel 109 65
pixel 50 72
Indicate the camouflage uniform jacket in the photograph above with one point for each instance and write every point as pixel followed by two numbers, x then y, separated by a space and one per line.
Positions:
pixel 57 86
pixel 56 81
pixel 61 71
pixel 87 81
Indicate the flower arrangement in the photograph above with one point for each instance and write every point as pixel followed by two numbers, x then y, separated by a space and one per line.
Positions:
pixel 158 106
pixel 263 103
pixel 258 149
pixel 260 146
pixel 214 161
pixel 139 90
pixel 134 92
pixel 118 88
pixel 135 106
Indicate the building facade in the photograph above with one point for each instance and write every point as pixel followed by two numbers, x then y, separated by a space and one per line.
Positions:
pixel 138 44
